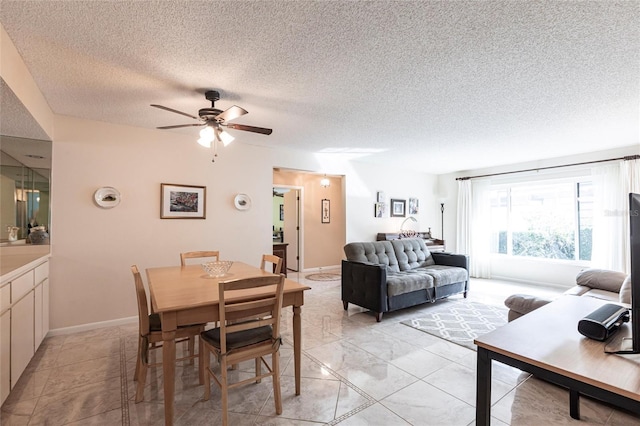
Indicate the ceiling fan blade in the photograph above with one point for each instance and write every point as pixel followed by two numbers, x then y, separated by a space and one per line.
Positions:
pixel 180 125
pixel 231 113
pixel 253 129
pixel 175 110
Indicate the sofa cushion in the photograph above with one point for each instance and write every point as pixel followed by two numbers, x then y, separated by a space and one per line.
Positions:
pixel 625 291
pixel 601 279
pixel 444 275
pixel 408 281
pixel 379 252
pixel 412 253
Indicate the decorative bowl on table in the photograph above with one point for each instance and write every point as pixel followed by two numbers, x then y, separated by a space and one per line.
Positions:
pixel 217 268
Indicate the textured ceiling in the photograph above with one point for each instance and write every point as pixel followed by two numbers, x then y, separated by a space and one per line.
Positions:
pixel 441 86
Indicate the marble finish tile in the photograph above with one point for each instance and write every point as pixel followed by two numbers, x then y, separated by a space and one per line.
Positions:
pixel 77 352
pixel 350 399
pixel 423 404
pixel 317 402
pixel 355 371
pixel 29 386
pixel 82 373
pixel 78 403
pixel 374 415
pixel 377 378
pixel 460 382
pixel 538 402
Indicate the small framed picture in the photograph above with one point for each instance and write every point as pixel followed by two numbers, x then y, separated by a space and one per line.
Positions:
pixel 413 206
pixel 326 211
pixel 182 201
pixel 380 197
pixel 378 209
pixel 281 212
pixel 398 208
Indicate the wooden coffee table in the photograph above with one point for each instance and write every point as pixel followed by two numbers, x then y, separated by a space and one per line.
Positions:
pixel 547 344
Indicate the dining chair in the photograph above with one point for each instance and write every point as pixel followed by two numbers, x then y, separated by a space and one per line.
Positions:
pixel 150 334
pixel 276 261
pixel 198 254
pixel 249 329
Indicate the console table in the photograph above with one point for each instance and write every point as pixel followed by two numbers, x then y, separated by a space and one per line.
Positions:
pixel 280 250
pixel 547 344
pixel 433 244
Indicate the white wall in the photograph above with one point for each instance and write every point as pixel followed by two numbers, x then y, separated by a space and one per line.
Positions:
pixel 555 273
pixel 94 247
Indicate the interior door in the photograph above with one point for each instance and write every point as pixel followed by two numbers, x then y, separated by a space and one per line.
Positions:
pixel 292 228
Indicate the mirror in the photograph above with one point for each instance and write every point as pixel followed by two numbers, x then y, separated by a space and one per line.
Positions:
pixel 25 171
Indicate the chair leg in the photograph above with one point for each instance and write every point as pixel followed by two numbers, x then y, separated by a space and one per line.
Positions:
pixel 224 390
pixel 192 346
pixel 258 369
pixel 142 376
pixel 201 363
pixel 205 359
pixel 138 358
pixel 275 366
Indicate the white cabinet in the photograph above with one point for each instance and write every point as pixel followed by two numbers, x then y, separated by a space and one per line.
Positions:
pixel 24 321
pixel 22 341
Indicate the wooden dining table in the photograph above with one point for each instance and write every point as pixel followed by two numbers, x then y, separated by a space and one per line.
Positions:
pixel 184 295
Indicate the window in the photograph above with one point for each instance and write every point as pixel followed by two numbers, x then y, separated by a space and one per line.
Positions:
pixel 549 219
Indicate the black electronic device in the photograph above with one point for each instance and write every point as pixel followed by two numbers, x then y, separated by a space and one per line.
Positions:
pixel 603 322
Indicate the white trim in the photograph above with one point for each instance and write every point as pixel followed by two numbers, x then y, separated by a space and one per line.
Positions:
pixel 529 282
pixel 91 326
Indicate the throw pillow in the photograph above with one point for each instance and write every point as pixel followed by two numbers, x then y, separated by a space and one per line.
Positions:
pixel 625 290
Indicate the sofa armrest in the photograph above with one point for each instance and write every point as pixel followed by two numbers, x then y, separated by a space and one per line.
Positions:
pixel 365 284
pixel 451 259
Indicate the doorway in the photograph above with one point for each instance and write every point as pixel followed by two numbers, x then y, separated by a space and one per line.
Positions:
pixel 287 221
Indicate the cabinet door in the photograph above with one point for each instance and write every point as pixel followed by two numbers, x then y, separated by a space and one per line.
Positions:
pixel 5 352
pixel 38 334
pixel 22 342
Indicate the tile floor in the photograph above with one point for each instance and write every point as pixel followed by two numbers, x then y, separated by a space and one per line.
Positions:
pixel 355 372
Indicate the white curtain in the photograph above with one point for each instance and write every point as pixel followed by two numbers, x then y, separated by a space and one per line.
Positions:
pixel 612 185
pixel 473 226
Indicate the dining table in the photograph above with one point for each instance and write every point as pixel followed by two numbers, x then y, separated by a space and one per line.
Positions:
pixel 184 295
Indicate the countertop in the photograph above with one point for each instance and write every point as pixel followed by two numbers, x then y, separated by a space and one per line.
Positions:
pixel 15 260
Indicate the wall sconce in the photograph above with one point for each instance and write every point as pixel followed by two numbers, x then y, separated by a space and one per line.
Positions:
pixel 325 182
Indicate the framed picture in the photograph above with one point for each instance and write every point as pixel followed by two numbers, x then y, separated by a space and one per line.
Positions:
pixel 326 211
pixel 413 206
pixel 281 212
pixel 182 201
pixel 398 208
pixel 380 198
pixel 378 209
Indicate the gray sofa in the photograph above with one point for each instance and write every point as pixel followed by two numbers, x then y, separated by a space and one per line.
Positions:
pixel 384 276
pixel 599 283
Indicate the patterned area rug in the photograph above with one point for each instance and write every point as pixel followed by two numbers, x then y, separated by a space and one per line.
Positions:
pixel 460 321
pixel 323 277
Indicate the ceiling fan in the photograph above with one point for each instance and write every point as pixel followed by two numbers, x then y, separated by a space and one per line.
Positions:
pixel 214 119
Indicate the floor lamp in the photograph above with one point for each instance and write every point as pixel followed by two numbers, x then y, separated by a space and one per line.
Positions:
pixel 442 220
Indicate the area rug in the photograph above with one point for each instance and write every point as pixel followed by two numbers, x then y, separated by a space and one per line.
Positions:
pixel 323 277
pixel 460 321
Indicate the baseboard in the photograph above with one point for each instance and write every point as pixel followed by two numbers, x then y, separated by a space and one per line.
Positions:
pixel 321 268
pixel 91 326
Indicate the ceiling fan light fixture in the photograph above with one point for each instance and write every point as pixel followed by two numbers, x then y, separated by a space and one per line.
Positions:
pixel 207 135
pixel 225 137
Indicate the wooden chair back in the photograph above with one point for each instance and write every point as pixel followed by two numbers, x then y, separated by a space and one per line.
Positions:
pixel 259 311
pixel 143 307
pixel 276 261
pixel 198 254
